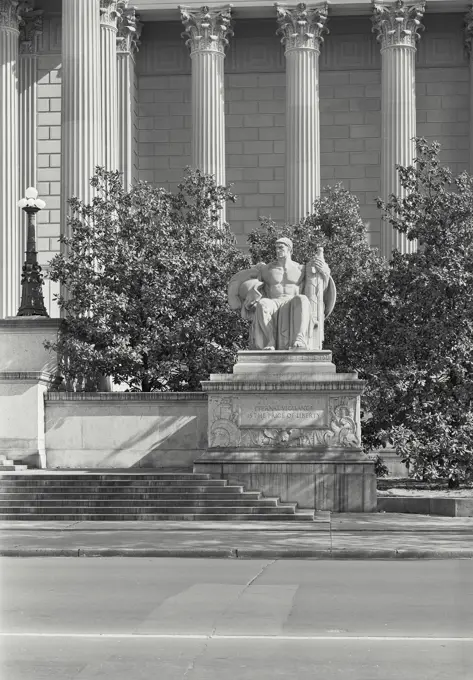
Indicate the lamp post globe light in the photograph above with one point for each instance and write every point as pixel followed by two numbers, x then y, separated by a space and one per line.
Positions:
pixel 32 301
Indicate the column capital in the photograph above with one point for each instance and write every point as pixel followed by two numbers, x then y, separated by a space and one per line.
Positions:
pixel 31 26
pixel 398 23
pixel 129 29
pixel 10 14
pixel 109 13
pixel 469 31
pixel 206 29
pixel 302 27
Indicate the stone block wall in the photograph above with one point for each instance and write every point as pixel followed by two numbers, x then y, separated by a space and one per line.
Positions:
pixel 164 128
pixel 121 430
pixel 443 89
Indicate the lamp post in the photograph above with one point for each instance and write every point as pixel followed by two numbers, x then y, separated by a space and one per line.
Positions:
pixel 32 301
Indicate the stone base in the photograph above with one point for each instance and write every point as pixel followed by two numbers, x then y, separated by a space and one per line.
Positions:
pixel 330 483
pixel 287 424
pixel 27 369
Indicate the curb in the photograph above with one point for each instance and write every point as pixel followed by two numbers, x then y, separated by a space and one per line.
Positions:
pixel 245 553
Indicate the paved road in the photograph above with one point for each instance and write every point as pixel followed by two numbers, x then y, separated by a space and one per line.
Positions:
pixel 191 619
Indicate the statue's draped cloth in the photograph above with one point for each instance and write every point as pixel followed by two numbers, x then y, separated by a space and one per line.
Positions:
pixel 277 322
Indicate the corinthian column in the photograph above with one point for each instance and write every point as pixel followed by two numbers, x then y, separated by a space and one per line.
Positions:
pixel 108 90
pixel 129 30
pixel 207 30
pixel 10 256
pixel 302 29
pixel 31 26
pixel 397 25
pixel 81 121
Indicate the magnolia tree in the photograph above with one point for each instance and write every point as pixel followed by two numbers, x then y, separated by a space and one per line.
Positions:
pixel 426 393
pixel 414 326
pixel 146 274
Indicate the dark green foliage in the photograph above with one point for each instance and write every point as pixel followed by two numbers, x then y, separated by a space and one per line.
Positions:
pixel 423 334
pixel 147 274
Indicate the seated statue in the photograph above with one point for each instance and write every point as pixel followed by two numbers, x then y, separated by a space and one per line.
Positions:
pixel 286 301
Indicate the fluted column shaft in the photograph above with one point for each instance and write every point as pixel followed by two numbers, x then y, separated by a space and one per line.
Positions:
pixel 129 29
pixel 208 118
pixel 471 112
pixel 397 27
pixel 301 29
pixel 81 102
pixel 302 133
pixel 207 32
pixel 469 49
pixel 30 29
pixel 109 83
pixel 10 255
pixel 398 130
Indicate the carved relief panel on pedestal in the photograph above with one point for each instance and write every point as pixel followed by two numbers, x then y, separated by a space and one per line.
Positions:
pixel 291 422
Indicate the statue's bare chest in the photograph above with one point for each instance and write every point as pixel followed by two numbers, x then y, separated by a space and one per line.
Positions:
pixel 275 274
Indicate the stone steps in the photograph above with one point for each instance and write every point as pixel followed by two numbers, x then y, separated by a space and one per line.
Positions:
pixel 49 484
pixel 141 502
pixel 21 495
pixel 145 496
pixel 300 516
pixel 143 508
pixel 7 465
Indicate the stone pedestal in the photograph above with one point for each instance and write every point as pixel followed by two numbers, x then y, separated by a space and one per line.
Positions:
pixel 27 369
pixel 287 424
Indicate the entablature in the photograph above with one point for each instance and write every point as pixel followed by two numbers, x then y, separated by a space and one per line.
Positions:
pixel 168 10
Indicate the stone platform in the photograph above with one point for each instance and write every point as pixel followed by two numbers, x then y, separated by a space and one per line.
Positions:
pixel 287 424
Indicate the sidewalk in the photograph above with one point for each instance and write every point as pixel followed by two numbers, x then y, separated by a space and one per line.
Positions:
pixel 330 536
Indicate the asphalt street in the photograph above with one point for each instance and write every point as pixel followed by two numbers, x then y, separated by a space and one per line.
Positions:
pixel 198 619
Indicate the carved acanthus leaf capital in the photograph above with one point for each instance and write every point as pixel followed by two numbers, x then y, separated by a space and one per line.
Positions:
pixel 207 29
pixel 129 28
pixel 398 24
pixel 302 27
pixel 109 13
pixel 10 14
pixel 31 27
pixel 469 31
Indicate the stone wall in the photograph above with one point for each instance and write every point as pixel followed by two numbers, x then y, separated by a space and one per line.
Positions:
pixel 122 430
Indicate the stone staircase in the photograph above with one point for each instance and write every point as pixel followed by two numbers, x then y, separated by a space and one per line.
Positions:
pixel 147 496
pixel 7 465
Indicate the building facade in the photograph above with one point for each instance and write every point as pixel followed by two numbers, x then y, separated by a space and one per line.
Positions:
pixel 278 100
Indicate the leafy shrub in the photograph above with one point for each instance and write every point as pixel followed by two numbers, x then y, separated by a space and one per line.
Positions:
pixel 146 273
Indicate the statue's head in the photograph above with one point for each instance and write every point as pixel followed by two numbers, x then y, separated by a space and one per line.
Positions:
pixel 283 246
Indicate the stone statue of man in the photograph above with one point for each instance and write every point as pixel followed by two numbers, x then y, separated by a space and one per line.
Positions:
pixel 286 301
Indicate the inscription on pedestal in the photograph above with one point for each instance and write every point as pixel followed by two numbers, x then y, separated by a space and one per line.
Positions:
pixel 277 413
